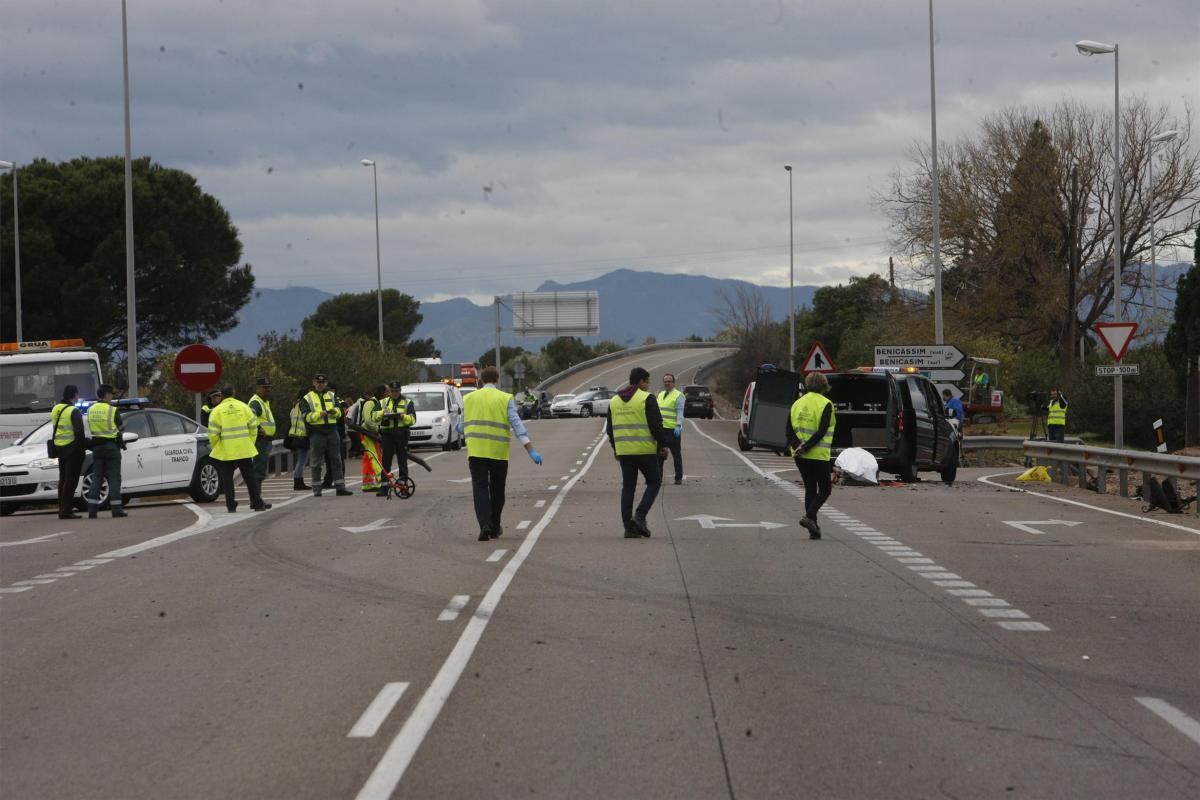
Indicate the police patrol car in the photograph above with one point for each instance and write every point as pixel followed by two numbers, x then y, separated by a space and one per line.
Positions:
pixel 165 453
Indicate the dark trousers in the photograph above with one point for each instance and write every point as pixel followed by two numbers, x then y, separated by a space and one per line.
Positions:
pixel 1056 433
pixel 262 461
pixel 817 485
pixel 651 469
pixel 395 446
pixel 676 454
pixel 246 467
pixel 325 443
pixel 106 466
pixel 487 485
pixel 70 465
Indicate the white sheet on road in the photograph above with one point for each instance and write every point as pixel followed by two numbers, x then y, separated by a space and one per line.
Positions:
pixel 857 463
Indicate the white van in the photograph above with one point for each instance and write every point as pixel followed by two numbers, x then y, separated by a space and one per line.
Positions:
pixel 439 408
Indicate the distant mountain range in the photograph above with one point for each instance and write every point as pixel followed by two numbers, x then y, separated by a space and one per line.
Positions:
pixel 633 306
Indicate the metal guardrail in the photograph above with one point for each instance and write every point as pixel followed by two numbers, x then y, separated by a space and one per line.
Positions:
pixel 1107 460
pixel 1003 442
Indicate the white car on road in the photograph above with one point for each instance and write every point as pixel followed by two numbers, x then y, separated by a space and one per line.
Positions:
pixel 165 453
pixel 593 402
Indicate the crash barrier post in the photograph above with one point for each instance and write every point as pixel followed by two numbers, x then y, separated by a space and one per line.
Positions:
pixel 283 461
pixel 1106 460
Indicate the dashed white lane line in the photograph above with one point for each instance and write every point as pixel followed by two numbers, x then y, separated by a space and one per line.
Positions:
pixel 566 477
pixel 540 504
pixel 552 488
pixel 14 589
pixel 577 463
pixel 91 562
pixel 496 555
pixel 368 724
pixel 1172 716
pixel 1013 625
pixel 523 524
pixel 452 609
pixel 33 582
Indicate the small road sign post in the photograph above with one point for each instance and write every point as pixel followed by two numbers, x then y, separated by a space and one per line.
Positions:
pixel 1112 370
pixel 1116 337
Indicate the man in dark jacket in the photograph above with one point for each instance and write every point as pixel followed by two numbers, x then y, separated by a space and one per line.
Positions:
pixel 66 422
pixel 636 433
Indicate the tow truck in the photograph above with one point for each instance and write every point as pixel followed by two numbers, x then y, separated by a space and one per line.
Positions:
pixel 32 378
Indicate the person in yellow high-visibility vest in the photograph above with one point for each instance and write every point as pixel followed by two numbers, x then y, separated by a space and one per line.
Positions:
pixel 70 446
pixel 489 420
pixel 105 421
pixel 670 405
pixel 639 441
pixel 232 432
pixel 810 439
pixel 372 452
pixel 260 404
pixel 1056 417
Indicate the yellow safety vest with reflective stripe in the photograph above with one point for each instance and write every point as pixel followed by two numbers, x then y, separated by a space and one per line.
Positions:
pixel 102 419
pixel 232 429
pixel 666 404
pixel 1057 415
pixel 318 403
pixel 297 428
pixel 393 406
pixel 64 431
pixel 266 420
pixel 367 416
pixel 806 418
pixel 630 427
pixel 485 423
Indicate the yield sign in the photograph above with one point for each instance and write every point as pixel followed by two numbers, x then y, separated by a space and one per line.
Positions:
pixel 818 360
pixel 1116 336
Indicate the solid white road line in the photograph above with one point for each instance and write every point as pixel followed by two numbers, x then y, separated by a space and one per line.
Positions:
pixel 456 604
pixel 368 724
pixel 14 589
pixel 36 540
pixel 1173 717
pixel 496 555
pixel 523 524
pixel 387 773
pixel 92 562
pixel 987 479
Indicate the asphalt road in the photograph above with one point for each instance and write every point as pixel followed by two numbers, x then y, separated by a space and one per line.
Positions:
pixel 925 647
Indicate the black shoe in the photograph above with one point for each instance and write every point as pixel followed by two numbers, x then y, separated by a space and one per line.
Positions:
pixel 118 513
pixel 69 516
pixel 485 535
pixel 814 532
pixel 300 485
pixel 342 491
pixel 326 484
pixel 679 481
pixel 92 512
pixel 496 534
pixel 260 507
pixel 639 525
pixel 316 491
pixel 231 509
pixel 382 492
pixel 631 532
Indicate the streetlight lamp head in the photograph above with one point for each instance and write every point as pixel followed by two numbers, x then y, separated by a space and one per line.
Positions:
pixel 6 165
pixel 366 162
pixel 788 167
pixel 1089 48
pixel 1165 136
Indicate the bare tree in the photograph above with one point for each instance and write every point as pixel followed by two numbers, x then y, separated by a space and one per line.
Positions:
pixel 976 177
pixel 745 318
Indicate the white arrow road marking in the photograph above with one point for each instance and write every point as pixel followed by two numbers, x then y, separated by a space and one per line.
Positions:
pixel 377 525
pixel 710 522
pixel 35 540
pixel 1028 524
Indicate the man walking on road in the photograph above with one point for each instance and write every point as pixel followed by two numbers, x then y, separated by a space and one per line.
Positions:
pixel 105 421
pixel 260 404
pixel 810 439
pixel 232 431
pixel 670 405
pixel 322 414
pixel 489 418
pixel 640 444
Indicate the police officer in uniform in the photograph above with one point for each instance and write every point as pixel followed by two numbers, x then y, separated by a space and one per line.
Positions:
pixel 393 418
pixel 260 404
pixel 70 446
pixel 488 417
pixel 810 439
pixel 233 430
pixel 321 417
pixel 640 444
pixel 105 422
pixel 298 432
pixel 210 402
pixel 1056 417
pixel 670 405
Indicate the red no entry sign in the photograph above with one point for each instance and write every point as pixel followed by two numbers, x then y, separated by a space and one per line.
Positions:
pixel 198 367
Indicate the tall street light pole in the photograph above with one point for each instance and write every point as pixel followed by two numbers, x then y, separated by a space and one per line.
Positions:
pixel 1090 48
pixel 16 242
pixel 366 162
pixel 130 285
pixel 791 278
pixel 1165 136
pixel 938 332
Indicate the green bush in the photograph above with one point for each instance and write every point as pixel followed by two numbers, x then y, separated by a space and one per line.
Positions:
pixel 1152 394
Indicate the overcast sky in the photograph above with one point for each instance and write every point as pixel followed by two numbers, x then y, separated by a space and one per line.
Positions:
pixel 640 133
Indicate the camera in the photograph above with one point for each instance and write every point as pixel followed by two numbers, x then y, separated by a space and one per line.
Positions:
pixel 1036 402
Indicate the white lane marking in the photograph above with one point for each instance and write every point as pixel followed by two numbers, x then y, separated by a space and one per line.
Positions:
pixel 573 471
pixel 954 584
pixel 387 773
pixel 458 480
pixel 456 604
pixel 33 582
pixel 1022 625
pixel 377 525
pixel 1172 716
pixel 577 463
pixel 540 504
pixel 91 562
pixel 368 724
pixel 523 524
pixel 496 555
pixel 994 602
pixel 14 589
pixel 970 592
pixel 915 560
pixel 81 567
pixel 35 540
pixel 1004 613
pixel 566 477
pixel 54 575
pixel 1027 525
pixel 941 576
pixel 552 488
pixel 1164 523
pixel 925 568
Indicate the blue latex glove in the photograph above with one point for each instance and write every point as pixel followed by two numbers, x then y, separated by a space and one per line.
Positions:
pixel 678 431
pixel 536 456
pixel 458 429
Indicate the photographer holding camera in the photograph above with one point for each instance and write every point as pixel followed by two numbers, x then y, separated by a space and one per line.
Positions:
pixel 1056 417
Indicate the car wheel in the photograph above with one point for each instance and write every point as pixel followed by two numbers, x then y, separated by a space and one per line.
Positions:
pixel 949 472
pixel 206 486
pixel 81 502
pixel 457 444
pixel 743 444
pixel 585 412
